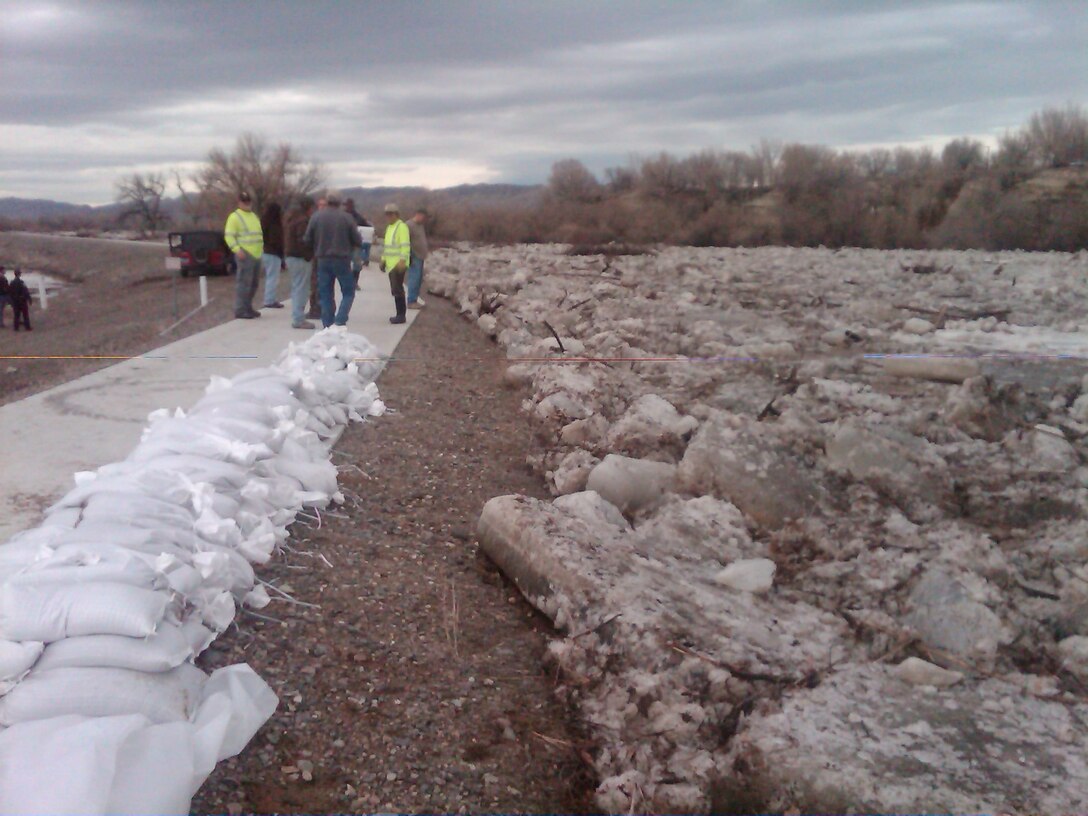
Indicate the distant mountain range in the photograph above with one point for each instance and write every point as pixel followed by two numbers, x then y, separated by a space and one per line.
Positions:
pixel 368 200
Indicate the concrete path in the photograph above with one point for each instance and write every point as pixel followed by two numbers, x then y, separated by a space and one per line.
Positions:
pixel 97 419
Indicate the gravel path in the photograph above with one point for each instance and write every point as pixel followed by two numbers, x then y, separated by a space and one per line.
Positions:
pixel 415 681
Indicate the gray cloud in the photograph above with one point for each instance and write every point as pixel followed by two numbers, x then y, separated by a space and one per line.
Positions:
pixel 469 91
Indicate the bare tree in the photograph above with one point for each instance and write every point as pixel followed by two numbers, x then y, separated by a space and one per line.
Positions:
pixel 1058 136
pixel 963 156
pixel 269 174
pixel 571 181
pixel 142 197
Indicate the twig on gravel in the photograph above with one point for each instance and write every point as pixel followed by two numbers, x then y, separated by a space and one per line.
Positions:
pixel 554 741
pixel 593 629
pixel 355 467
pixel 316 517
pixel 328 563
pixel 555 335
pixel 268 618
pixel 452 623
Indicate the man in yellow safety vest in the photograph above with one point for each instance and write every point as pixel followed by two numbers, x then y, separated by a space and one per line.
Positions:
pixel 396 254
pixel 246 241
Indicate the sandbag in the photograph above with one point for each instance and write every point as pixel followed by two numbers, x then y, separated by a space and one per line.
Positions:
pixel 49 612
pixel 169 696
pixel 127 764
pixel 166 649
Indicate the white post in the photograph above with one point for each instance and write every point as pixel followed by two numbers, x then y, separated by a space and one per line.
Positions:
pixel 203 290
pixel 41 293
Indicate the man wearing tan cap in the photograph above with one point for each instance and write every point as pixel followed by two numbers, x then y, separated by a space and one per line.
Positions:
pixel 396 254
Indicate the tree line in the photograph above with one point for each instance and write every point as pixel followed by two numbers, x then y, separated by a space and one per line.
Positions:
pixel 1030 192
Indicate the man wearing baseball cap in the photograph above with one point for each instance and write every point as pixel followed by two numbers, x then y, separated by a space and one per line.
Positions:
pixel 246 241
pixel 396 254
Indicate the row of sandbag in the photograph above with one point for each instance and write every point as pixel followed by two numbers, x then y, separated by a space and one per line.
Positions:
pixel 136 570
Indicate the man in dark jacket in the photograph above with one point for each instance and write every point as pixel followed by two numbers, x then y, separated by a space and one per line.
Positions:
pixel 299 259
pixel 5 300
pixel 20 300
pixel 332 234
pixel 272 260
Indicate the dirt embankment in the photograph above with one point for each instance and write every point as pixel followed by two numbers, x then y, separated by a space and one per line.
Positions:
pixel 117 300
pixel 409 674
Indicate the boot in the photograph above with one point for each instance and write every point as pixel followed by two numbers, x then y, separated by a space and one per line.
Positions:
pixel 402 309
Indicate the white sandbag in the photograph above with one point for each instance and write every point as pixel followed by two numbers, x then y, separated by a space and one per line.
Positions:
pixel 126 764
pixel 166 649
pixel 198 443
pixel 49 612
pixel 223 406
pixel 126 477
pixel 169 696
pixel 319 476
pixel 54 570
pixel 199 469
pixel 137 511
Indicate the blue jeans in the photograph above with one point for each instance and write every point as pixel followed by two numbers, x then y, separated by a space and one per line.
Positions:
pixel 272 264
pixel 245 284
pixel 329 270
pixel 299 270
pixel 414 278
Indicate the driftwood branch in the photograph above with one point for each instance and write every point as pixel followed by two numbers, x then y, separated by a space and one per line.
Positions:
pixel 556 336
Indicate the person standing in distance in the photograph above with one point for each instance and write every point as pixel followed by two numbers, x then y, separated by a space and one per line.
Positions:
pixel 418 233
pixel 20 300
pixel 395 256
pixel 246 241
pixel 272 259
pixel 299 260
pixel 5 300
pixel 332 234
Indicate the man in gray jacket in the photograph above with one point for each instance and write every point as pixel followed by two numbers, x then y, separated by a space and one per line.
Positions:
pixel 332 234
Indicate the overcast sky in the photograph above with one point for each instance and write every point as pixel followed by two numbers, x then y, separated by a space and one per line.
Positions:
pixel 450 92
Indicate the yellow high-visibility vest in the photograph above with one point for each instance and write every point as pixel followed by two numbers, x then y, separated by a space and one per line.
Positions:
pixel 398 246
pixel 243 230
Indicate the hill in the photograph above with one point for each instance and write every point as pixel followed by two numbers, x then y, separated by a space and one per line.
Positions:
pixel 369 200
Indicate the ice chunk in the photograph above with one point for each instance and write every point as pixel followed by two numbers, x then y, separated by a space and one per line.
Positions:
pixel 631 484
pixel 922 673
pixel 947 618
pixel 764 482
pixel 592 507
pixel 749 575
